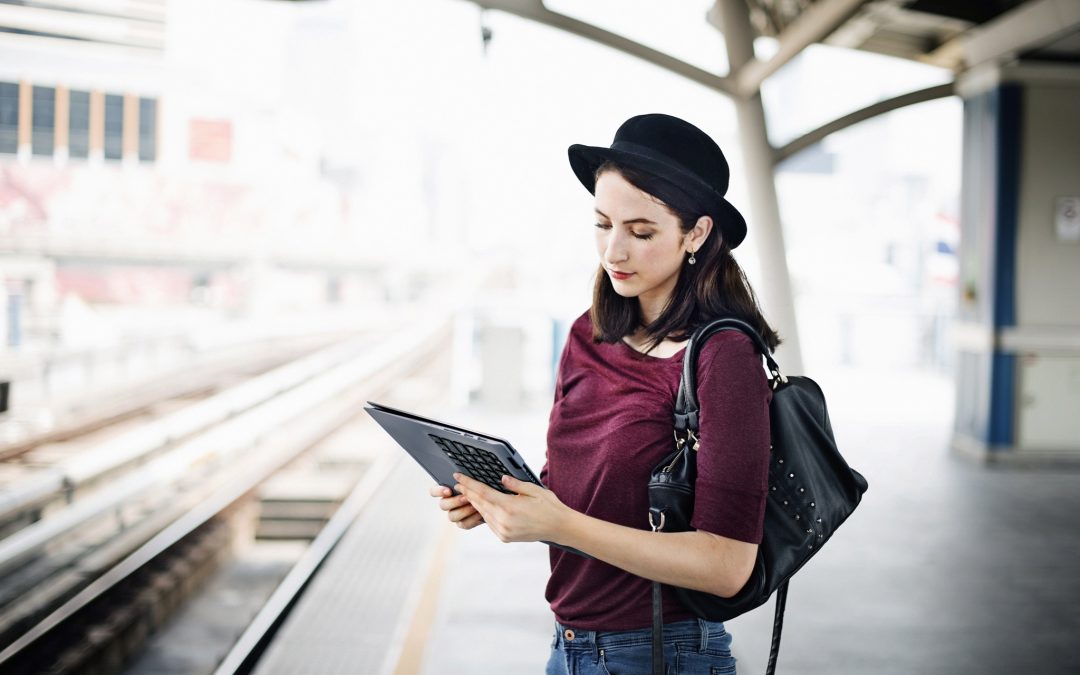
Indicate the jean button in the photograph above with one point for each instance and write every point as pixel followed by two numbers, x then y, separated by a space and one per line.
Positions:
pixel 569 635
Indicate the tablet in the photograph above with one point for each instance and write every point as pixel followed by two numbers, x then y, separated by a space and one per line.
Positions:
pixel 444 449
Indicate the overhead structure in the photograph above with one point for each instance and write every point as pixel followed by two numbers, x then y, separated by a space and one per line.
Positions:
pixel 1016 64
pixel 953 34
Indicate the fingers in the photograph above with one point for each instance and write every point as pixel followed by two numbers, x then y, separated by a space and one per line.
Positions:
pixel 461 513
pixel 480 496
pixel 459 510
pixel 448 501
pixel 475 490
pixel 440 491
pixel 471 488
pixel 530 514
pixel 465 481
pixel 521 487
pixel 455 502
pixel 471 522
pixel 513 484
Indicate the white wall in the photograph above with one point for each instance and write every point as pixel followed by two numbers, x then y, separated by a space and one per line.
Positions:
pixel 1048 269
pixel 1047 337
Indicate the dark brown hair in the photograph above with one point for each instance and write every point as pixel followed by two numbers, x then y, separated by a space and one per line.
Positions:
pixel 714 287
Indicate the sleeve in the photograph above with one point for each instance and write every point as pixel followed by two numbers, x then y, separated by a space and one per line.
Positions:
pixel 733 459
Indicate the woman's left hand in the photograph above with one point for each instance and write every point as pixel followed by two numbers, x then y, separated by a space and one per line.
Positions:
pixel 533 514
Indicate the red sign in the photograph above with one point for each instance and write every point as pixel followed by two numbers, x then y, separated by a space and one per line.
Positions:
pixel 211 140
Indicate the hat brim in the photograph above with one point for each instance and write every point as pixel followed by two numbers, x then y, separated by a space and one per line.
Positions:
pixel 586 159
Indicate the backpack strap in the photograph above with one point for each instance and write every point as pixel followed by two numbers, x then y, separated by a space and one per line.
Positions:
pixel 657 629
pixel 778 626
pixel 686 419
pixel 686 403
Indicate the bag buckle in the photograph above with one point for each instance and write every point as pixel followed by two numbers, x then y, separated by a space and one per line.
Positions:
pixel 652 523
pixel 690 436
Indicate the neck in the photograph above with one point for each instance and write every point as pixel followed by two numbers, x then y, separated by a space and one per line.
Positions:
pixel 651 307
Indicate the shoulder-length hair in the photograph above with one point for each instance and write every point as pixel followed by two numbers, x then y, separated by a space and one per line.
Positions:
pixel 713 287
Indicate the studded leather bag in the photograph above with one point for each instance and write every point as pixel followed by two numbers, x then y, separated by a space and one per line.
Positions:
pixel 812 490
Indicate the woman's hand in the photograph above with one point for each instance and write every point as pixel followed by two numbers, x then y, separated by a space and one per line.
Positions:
pixel 533 514
pixel 457 507
pixel 699 560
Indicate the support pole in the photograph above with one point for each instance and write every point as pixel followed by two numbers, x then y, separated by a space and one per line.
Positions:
pixel 775 290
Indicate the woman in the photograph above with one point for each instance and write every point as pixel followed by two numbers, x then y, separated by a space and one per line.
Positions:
pixel 664 236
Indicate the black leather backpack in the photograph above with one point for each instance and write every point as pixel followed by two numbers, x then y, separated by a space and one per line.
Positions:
pixel 812 490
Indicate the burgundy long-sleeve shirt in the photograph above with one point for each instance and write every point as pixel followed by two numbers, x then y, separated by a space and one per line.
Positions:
pixel 611 423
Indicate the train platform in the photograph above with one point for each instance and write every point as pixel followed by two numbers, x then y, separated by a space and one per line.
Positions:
pixel 947 568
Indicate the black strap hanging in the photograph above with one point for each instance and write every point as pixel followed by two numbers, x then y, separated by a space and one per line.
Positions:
pixel 657 630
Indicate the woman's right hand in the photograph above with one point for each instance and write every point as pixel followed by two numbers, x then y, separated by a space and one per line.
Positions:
pixel 457 507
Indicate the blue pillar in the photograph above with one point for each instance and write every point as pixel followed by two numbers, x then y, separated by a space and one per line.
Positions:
pixel 986 373
pixel 1000 429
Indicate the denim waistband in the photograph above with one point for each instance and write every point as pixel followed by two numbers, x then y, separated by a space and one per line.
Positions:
pixel 691 632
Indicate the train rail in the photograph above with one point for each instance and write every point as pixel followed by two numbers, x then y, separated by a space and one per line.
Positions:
pixel 152 530
pixel 56 402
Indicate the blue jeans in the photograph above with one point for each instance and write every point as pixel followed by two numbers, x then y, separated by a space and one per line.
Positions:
pixel 690 647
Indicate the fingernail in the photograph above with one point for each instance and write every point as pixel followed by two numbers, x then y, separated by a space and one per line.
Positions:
pixel 457 476
pixel 505 479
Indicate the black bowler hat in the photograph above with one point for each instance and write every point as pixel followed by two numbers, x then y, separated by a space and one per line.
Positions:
pixel 676 151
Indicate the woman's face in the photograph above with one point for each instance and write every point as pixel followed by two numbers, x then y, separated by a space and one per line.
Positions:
pixel 641 245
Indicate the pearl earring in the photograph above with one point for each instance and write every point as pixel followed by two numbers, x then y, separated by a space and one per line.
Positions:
pixel 692 259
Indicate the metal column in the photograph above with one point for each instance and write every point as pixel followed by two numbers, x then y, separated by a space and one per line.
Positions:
pixel 775 289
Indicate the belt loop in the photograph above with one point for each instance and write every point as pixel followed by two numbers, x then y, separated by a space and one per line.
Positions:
pixel 704 627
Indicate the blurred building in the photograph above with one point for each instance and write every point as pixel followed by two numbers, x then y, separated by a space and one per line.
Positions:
pixel 77 90
pixel 151 157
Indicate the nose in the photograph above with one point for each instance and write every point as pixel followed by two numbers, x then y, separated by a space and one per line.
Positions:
pixel 615 248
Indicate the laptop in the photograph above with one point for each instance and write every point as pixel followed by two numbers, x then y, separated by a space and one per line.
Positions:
pixel 443 449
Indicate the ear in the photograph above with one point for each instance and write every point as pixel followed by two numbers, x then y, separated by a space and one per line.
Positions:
pixel 697 236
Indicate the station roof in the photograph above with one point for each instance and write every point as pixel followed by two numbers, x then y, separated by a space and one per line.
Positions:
pixel 953 34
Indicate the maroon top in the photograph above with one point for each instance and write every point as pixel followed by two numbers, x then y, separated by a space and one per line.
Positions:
pixel 611 423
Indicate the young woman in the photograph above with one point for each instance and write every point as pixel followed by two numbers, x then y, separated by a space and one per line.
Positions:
pixel 664 234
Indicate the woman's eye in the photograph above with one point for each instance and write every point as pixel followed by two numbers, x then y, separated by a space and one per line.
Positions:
pixel 643 237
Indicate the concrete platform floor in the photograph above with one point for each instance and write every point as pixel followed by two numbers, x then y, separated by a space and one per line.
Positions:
pixel 947 567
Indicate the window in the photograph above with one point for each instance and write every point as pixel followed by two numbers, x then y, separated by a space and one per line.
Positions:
pixel 43 121
pixel 9 117
pixel 79 124
pixel 114 126
pixel 147 129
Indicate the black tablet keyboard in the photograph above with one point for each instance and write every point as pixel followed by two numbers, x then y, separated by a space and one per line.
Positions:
pixel 481 464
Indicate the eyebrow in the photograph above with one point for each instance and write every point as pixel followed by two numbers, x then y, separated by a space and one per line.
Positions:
pixel 632 221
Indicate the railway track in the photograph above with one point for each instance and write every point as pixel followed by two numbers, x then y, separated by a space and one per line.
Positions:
pixel 70 412
pixel 52 468
pixel 108 561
